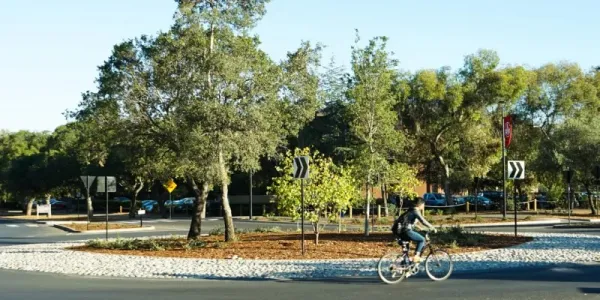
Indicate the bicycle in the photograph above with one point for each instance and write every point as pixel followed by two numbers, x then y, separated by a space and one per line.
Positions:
pixel 402 267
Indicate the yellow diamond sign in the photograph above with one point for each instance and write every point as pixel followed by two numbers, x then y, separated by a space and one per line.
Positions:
pixel 170 185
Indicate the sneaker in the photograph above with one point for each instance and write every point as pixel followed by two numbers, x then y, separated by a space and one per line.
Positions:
pixel 416 259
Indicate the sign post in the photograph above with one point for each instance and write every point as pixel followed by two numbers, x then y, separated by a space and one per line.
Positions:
pixel 141 213
pixel 476 195
pixel 87 183
pixel 568 176
pixel 516 171
pixel 170 185
pixel 107 184
pixel 506 139
pixel 250 217
pixel 300 171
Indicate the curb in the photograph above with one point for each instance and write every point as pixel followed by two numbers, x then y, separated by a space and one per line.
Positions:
pixel 60 222
pixel 511 224
pixel 65 228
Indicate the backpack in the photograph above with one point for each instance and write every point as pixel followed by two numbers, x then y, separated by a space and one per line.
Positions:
pixel 401 223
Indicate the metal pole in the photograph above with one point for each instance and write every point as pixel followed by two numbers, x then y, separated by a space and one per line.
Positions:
pixel 250 195
pixel 106 190
pixel 503 165
pixel 476 197
pixel 87 194
pixel 515 206
pixel 569 199
pixel 170 206
pixel 302 195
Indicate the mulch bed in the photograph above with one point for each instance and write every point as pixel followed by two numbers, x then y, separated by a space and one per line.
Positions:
pixel 287 246
pixel 100 226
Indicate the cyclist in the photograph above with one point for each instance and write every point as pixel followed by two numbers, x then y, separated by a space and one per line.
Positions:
pixel 405 224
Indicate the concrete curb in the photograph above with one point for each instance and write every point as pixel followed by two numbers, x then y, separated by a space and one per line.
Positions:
pixel 65 228
pixel 60 222
pixel 510 224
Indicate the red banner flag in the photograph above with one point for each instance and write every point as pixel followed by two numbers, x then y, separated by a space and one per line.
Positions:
pixel 508 126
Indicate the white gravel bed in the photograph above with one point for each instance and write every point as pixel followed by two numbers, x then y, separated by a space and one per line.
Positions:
pixel 53 258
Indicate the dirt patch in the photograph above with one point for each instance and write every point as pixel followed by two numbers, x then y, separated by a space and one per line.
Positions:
pixel 100 226
pixel 287 246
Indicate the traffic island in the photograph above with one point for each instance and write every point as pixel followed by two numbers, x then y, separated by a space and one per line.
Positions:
pixel 282 245
pixel 101 227
pixel 543 251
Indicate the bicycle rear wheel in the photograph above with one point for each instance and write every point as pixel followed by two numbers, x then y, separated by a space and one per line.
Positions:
pixel 439 265
pixel 391 267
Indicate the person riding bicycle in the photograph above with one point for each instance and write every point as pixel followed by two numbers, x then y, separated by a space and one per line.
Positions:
pixel 405 224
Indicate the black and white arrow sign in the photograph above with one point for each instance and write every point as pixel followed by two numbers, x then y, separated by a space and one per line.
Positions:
pixel 516 169
pixel 300 167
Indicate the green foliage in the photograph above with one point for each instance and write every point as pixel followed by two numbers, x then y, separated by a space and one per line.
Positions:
pixel 274 229
pixel 146 244
pixel 217 231
pixel 456 237
pixel 328 191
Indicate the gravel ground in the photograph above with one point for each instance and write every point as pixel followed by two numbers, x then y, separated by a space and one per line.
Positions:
pixel 545 249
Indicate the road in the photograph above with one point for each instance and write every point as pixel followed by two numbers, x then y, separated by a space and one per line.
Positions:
pixel 546 283
pixel 549 284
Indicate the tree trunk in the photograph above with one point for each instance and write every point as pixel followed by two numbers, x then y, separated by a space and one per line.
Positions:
pixel 48 196
pixel 316 230
pixel 227 218
pixel 591 199
pixel 137 187
pixel 199 207
pixel 30 206
pixel 90 207
pixel 368 206
pixel 385 200
pixel 446 178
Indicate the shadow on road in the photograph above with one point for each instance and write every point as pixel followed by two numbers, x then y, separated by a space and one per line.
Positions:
pixel 562 273
pixel 589 290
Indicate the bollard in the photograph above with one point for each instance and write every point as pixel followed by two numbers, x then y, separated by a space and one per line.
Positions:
pixel 528 205
pixel 121 209
pixel 534 204
pixel 264 207
pixel 467 204
pixel 378 211
pixel 350 212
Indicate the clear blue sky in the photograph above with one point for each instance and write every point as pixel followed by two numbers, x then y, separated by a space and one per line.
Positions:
pixel 50 49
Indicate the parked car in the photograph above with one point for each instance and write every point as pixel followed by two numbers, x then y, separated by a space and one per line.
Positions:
pixel 149 205
pixel 434 199
pixel 482 202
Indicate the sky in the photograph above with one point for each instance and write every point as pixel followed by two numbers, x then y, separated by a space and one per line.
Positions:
pixel 50 50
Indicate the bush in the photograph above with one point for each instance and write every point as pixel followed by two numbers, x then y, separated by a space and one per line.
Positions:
pixel 217 231
pixel 146 244
pixel 268 229
pixel 456 236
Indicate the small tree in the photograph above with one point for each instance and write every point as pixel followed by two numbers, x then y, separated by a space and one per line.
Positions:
pixel 328 189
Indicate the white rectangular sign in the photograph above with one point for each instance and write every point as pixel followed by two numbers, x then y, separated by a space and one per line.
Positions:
pixel 141 212
pixel 43 209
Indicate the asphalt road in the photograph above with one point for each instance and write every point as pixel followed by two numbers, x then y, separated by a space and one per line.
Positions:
pixel 548 283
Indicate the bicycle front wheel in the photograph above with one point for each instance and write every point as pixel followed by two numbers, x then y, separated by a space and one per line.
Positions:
pixel 439 265
pixel 391 268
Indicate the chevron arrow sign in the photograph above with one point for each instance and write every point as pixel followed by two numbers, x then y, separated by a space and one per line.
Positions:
pixel 516 169
pixel 300 167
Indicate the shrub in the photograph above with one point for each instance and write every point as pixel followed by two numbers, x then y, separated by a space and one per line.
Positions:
pixel 447 237
pixel 217 231
pixel 356 221
pixel 146 244
pixel 438 212
pixel 268 229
